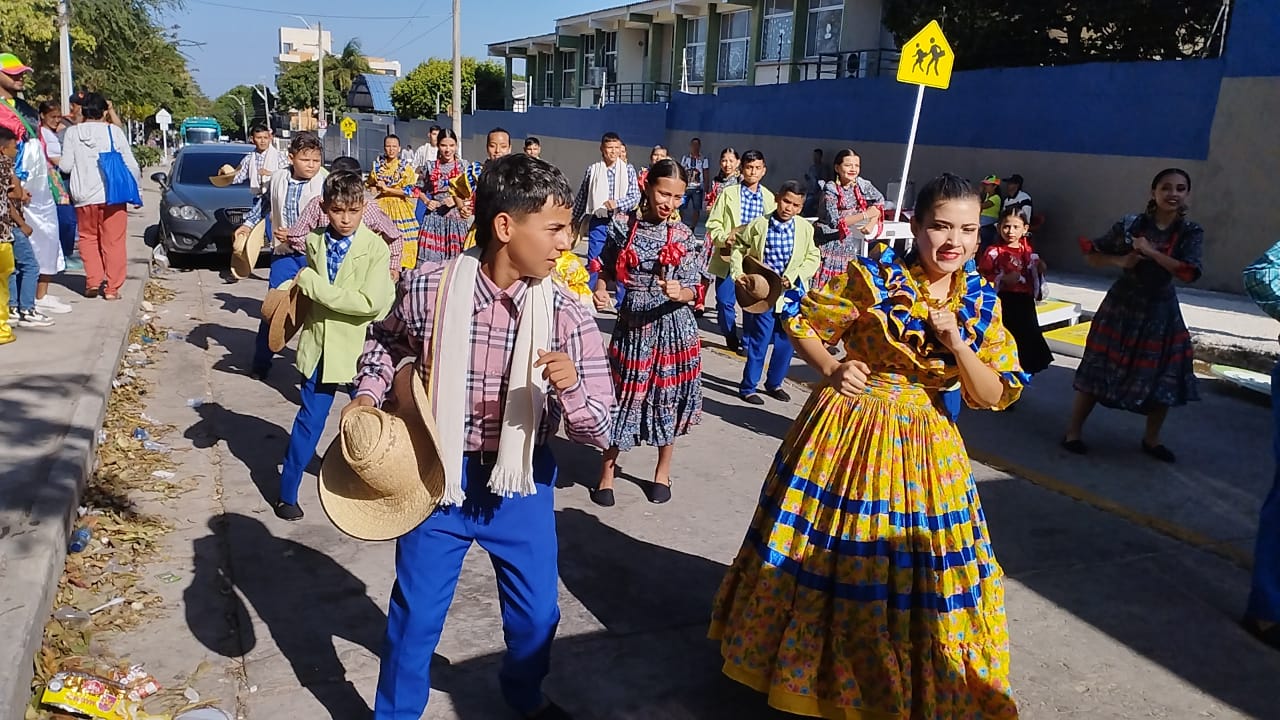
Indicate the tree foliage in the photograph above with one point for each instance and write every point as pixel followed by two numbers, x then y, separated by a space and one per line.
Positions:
pixel 118 48
pixel 227 111
pixel 1075 31
pixel 415 95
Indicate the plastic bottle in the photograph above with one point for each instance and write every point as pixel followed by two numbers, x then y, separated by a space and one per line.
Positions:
pixel 80 539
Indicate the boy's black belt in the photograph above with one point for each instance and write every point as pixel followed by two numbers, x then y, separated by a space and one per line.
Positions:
pixel 484 457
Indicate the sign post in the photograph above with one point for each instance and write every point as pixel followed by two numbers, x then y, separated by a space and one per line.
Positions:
pixel 165 121
pixel 927 61
pixel 348 127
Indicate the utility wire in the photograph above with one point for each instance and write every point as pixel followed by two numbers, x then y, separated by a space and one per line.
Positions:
pixel 411 41
pixel 405 26
pixel 308 14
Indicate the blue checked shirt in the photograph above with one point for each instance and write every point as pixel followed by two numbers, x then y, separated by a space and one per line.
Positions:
pixel 753 205
pixel 292 205
pixel 779 244
pixel 335 250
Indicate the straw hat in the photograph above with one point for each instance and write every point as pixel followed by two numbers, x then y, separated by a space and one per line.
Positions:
pixel 383 475
pixel 244 253
pixel 759 287
pixel 284 308
pixel 225 175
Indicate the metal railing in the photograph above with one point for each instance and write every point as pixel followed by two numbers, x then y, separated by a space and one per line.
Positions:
pixel 853 64
pixel 635 93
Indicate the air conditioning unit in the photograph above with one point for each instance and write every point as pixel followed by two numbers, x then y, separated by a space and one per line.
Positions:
pixel 595 77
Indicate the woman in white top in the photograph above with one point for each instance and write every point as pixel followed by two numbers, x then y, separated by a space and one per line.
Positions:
pixel 50 123
pixel 103 227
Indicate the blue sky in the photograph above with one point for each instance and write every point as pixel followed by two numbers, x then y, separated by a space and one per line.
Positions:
pixel 240 45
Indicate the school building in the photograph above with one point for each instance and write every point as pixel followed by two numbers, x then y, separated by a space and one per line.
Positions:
pixel 1088 138
pixel 645 52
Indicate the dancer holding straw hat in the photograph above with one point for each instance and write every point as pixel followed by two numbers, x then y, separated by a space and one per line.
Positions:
pixel 533 358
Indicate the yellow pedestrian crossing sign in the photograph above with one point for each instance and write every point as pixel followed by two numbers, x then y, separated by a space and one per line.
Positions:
pixel 348 127
pixel 927 59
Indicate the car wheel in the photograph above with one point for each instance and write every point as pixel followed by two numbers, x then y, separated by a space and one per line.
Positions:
pixel 151 236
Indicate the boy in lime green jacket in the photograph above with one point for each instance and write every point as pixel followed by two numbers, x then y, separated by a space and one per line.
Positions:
pixel 734 208
pixel 347 282
pixel 783 242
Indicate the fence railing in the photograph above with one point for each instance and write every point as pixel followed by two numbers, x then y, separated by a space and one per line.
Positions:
pixel 853 64
pixel 634 93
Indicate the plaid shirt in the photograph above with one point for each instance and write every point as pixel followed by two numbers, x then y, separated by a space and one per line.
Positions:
pixel 1262 281
pixel 629 202
pixel 586 407
pixel 779 243
pixel 752 204
pixel 312 218
pixel 335 251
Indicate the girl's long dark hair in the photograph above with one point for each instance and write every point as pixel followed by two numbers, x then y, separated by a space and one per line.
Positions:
pixel 944 188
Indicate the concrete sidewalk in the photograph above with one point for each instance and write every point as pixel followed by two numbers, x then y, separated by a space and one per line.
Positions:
pixel 54 384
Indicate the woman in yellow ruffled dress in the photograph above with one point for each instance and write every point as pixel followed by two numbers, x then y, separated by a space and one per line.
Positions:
pixel 394 183
pixel 866 587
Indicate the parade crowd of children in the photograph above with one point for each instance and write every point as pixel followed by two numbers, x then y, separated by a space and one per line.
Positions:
pixel 446 298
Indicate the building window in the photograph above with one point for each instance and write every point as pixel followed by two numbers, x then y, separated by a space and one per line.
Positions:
pixel 825 19
pixel 695 49
pixel 735 29
pixel 610 58
pixel 779 27
pixel 550 74
pixel 569 74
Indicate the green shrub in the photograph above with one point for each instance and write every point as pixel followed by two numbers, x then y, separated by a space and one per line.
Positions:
pixel 146 155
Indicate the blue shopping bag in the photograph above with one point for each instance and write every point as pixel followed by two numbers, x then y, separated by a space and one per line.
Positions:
pixel 117 181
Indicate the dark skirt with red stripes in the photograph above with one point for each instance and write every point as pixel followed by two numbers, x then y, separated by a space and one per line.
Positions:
pixel 442 236
pixel 1138 356
pixel 656 359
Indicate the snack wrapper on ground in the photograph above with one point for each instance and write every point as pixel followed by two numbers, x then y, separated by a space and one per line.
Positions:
pixel 89 695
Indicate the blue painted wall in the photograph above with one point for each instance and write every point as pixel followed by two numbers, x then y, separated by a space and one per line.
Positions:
pixel 1253 39
pixel 1156 109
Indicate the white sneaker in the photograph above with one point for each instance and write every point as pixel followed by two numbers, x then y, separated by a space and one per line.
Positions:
pixel 33 318
pixel 51 304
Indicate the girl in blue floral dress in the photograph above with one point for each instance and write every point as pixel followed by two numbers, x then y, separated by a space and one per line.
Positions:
pixel 655 353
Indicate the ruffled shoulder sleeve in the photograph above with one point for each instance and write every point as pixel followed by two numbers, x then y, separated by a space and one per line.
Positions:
pixel 981 317
pixel 828 312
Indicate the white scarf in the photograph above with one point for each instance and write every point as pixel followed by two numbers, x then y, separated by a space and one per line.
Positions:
pixel 526 389
pixel 280 190
pixel 599 190
pixel 270 159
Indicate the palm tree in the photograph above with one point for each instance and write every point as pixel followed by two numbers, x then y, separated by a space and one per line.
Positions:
pixel 344 68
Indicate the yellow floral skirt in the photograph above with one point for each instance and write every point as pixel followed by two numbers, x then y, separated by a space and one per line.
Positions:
pixel 866 587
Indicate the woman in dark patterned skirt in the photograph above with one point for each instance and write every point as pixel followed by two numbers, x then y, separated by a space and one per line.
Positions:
pixel 852 209
pixel 1138 356
pixel 448 219
pixel 655 353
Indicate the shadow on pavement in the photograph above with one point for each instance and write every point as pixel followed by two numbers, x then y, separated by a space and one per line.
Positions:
pixel 33 424
pixel 256 443
pixel 238 344
pixel 304 598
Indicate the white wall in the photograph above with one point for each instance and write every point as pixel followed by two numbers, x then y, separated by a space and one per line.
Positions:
pixel 863 25
pixel 631 58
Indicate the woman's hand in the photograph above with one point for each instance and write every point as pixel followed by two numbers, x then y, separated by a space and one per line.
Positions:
pixel 464 209
pixel 672 289
pixel 947 328
pixel 1143 246
pixel 601 299
pixel 433 205
pixel 849 378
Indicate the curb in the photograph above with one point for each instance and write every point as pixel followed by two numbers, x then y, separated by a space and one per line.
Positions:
pixel 64 472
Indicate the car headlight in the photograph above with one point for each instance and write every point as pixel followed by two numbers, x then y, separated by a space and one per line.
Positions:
pixel 185 212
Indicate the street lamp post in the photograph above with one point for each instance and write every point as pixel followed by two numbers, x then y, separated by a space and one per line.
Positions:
pixel 265 94
pixel 457 68
pixel 320 56
pixel 64 54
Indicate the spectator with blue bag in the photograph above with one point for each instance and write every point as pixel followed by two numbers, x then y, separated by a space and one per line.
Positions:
pixel 1262 616
pixel 105 178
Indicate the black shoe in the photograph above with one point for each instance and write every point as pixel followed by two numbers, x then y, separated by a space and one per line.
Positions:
pixel 1270 635
pixel 658 493
pixel 551 711
pixel 779 394
pixel 733 344
pixel 603 498
pixel 1075 447
pixel 260 373
pixel 285 511
pixel 1159 452
pixel 753 399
